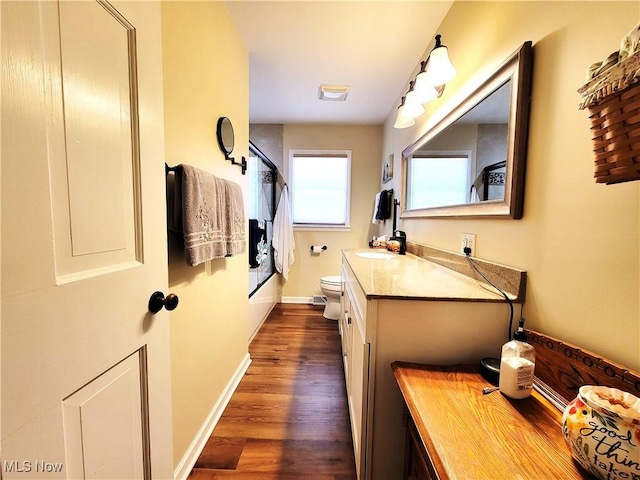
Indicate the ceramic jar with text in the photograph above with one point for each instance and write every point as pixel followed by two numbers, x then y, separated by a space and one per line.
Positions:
pixel 602 428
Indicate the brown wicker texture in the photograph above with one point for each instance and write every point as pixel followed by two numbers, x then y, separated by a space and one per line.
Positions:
pixel 615 129
pixel 613 100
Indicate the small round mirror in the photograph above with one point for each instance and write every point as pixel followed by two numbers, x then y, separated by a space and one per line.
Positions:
pixel 226 138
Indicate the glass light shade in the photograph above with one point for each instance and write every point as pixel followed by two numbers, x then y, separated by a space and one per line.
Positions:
pixel 412 106
pixel 440 70
pixel 402 121
pixel 425 92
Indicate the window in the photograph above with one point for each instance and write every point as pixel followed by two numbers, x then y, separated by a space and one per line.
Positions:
pixel 438 179
pixel 319 182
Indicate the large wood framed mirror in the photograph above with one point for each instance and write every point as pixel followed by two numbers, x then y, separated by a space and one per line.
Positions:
pixel 472 162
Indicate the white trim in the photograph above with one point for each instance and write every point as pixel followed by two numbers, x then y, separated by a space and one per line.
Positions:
pixel 315 228
pixel 190 457
pixel 305 300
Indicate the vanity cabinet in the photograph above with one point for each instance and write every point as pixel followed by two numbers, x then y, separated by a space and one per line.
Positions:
pixel 391 313
pixel 356 363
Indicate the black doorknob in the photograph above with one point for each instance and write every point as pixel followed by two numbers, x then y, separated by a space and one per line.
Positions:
pixel 158 300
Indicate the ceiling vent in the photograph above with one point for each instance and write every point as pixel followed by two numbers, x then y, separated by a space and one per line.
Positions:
pixel 333 93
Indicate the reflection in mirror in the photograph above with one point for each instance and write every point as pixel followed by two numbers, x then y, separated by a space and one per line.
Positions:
pixel 226 137
pixel 441 174
pixel 472 162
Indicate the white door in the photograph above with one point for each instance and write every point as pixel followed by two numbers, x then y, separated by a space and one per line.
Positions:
pixel 85 367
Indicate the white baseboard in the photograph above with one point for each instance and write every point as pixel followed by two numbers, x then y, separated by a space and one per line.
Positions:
pixel 308 300
pixel 190 458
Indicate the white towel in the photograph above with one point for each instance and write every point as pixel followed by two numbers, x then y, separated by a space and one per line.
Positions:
pixel 283 242
pixel 630 44
pixel 376 203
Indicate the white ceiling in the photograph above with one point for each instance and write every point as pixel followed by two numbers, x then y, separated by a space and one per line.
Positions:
pixel 295 46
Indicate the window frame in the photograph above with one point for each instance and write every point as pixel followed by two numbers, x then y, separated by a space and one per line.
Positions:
pixel 346 226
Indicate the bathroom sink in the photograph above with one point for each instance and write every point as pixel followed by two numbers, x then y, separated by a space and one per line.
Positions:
pixel 374 254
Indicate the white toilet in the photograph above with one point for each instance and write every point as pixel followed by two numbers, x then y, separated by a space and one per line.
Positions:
pixel 330 287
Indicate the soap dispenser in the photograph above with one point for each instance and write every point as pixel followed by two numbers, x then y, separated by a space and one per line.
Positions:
pixel 399 242
pixel 517 364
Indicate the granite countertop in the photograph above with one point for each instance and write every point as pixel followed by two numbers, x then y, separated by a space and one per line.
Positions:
pixel 409 277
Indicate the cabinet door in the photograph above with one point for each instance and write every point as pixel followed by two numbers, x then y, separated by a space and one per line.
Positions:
pixel 357 391
pixel 417 465
pixel 345 330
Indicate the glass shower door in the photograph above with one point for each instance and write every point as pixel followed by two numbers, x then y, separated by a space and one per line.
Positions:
pixel 262 182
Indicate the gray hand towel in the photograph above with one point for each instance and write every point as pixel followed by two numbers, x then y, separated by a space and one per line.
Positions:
pixel 212 216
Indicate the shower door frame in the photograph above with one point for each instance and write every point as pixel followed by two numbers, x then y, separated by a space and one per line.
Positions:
pixel 253 150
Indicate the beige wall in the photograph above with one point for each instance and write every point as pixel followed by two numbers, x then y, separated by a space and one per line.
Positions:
pixel 206 76
pixel 578 241
pixel 268 139
pixel 366 169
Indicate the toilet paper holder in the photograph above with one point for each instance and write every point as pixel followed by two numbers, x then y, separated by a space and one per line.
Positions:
pixel 318 248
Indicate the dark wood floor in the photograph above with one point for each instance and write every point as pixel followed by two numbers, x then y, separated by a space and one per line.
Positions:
pixel 289 418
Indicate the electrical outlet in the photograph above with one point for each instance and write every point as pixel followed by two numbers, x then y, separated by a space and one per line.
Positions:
pixel 468 241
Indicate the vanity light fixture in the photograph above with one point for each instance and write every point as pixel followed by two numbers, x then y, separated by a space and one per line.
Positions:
pixel 402 120
pixel 333 93
pixel 429 84
pixel 425 91
pixel 440 69
pixel 412 106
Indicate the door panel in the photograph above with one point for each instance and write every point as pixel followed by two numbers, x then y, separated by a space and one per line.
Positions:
pixel 97 225
pixel 75 291
pixel 97 117
pixel 108 411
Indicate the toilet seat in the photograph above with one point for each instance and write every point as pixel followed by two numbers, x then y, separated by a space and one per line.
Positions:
pixel 333 280
pixel 331 283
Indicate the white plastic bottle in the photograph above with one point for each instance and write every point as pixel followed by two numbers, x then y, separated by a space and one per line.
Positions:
pixel 517 364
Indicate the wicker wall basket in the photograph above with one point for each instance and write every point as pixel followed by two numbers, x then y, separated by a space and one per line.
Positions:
pixel 613 101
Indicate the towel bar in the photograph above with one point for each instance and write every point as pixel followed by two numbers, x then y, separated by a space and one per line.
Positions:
pixel 243 164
